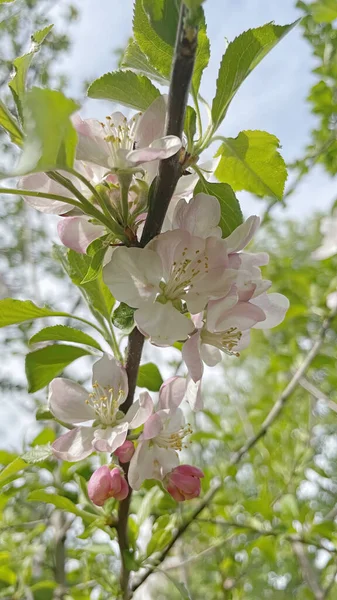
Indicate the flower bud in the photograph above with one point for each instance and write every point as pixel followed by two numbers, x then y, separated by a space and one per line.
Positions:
pixel 125 452
pixel 183 483
pixel 104 484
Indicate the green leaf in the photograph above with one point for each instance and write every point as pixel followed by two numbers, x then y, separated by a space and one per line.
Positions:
pixel 37 454
pixel 95 291
pixel 51 138
pixel 65 334
pixel 21 65
pixel 190 126
pixel 231 215
pixel 95 267
pixel 10 125
pixel 62 503
pixel 149 377
pixel 17 311
pixel 202 57
pixel 7 575
pixel 134 58
pixel 45 364
pixel 125 87
pixel 122 317
pixel 14 467
pixel 164 18
pixel 158 52
pixel 180 586
pixel 251 162
pixel 240 58
pixel 324 11
pixel 158 541
pixel 43 414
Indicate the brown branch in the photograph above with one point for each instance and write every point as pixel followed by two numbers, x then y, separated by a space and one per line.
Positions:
pixel 237 456
pixel 169 172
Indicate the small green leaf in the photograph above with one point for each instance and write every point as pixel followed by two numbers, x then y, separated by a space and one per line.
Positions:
pixel 159 540
pixel 122 317
pixel 37 454
pixel 134 58
pixel 201 59
pixel 21 65
pixel 10 125
pixel 180 586
pixel 51 138
pixel 96 265
pixel 231 215
pixel 149 377
pixel 62 503
pixel 164 18
pixel 158 52
pixel 14 467
pixel 190 126
pixel 125 87
pixel 7 575
pixel 324 11
pixel 63 333
pixel 45 364
pixel 251 162
pixel 17 311
pixel 43 414
pixel 240 58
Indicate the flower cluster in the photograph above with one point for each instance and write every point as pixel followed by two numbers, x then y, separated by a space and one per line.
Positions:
pixel 189 284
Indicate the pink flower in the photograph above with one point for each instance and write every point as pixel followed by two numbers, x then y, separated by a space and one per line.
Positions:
pixel 125 452
pixel 183 483
pixel 104 484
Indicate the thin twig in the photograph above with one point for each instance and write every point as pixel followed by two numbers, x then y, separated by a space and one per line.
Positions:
pixel 309 574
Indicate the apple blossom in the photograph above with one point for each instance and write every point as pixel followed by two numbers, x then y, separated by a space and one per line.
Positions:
pixel 105 483
pixel 106 425
pixel 183 482
pixel 163 436
pixel 329 245
pixel 125 452
pixel 174 268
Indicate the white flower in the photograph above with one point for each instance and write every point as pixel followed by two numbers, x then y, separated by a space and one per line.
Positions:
pixel 329 245
pixel 106 426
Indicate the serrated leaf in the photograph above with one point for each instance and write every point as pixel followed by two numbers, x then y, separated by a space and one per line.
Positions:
pixel 164 18
pixel 251 162
pixel 324 11
pixel 231 214
pixel 158 52
pixel 122 317
pixel 125 87
pixel 50 136
pixel 37 454
pixel 95 291
pixel 240 58
pixel 202 57
pixel 18 311
pixel 134 58
pixel 21 65
pixel 62 503
pixel 63 333
pixel 14 467
pixel 149 377
pixel 45 364
pixel 10 125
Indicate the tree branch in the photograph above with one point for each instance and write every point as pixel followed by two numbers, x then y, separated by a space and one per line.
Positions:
pixel 169 172
pixel 309 574
pixel 237 456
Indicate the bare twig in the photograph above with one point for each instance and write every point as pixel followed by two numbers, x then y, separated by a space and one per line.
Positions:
pixel 309 573
pixel 169 172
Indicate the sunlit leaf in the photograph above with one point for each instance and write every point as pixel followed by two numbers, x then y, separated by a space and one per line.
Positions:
pixel 45 364
pixel 149 377
pixel 63 333
pixel 125 87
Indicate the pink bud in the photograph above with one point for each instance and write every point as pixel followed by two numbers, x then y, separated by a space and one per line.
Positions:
pixel 104 484
pixel 183 483
pixel 125 452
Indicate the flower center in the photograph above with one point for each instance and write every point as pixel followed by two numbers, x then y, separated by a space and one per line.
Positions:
pixel 120 137
pixel 105 402
pixel 224 340
pixel 185 273
pixel 175 439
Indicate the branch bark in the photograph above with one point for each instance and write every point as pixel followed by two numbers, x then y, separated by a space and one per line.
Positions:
pixel 237 456
pixel 169 172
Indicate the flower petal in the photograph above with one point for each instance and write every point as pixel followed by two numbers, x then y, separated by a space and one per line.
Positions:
pixel 193 394
pixel 91 146
pixel 152 427
pixel 111 438
pixel 139 411
pixel 200 216
pixel 133 275
pixel 162 323
pixel 78 232
pixel 109 373
pixel 158 150
pixel 40 182
pixel 242 235
pixel 172 392
pixel 274 306
pixel 210 355
pixel 74 445
pixel 192 358
pixel 151 125
pixel 67 401
pixel 243 315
